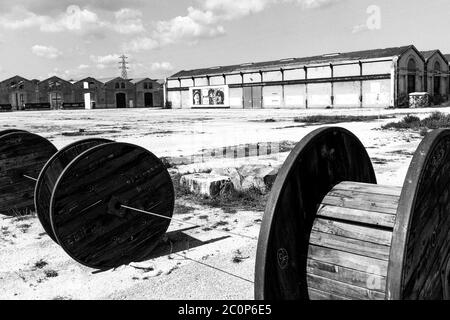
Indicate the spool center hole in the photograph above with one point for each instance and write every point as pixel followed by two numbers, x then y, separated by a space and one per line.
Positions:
pixel 117 205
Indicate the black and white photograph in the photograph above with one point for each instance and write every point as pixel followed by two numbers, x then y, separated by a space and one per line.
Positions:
pixel 224 150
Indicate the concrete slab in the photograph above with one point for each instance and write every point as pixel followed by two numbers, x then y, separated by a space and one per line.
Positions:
pixel 205 184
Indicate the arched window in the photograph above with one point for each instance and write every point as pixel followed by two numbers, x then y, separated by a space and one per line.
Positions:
pixel 117 85
pixel 411 78
pixel 123 85
pixel 437 66
pixel 412 66
pixel 437 78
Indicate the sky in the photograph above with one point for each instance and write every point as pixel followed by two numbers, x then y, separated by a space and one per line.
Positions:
pixel 74 39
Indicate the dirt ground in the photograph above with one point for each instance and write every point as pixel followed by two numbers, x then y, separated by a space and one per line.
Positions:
pixel 33 267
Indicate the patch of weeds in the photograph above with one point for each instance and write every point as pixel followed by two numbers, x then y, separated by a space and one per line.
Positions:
pixel 402 152
pixel 172 270
pixel 379 161
pixel 162 132
pixel 238 257
pixel 51 273
pixel 436 120
pixel 22 215
pixel 203 217
pixel 41 264
pixel 5 231
pixel 333 119
pixel 423 132
pixel 61 298
pixel 219 224
pixel 183 209
pixel 83 132
pixel 24 227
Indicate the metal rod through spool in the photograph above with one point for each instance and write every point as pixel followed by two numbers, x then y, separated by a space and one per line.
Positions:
pixel 185 222
pixel 31 178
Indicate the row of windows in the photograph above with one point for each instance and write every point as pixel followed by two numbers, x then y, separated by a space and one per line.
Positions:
pixel 121 85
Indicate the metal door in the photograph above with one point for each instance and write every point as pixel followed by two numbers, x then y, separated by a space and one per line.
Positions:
pixel 248 100
pixel 257 97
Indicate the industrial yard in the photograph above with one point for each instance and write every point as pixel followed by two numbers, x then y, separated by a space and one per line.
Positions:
pixel 34 267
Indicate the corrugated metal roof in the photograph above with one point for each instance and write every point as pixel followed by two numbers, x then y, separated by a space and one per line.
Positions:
pixel 326 58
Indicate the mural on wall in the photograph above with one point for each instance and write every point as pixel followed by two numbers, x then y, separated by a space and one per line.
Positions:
pixel 213 96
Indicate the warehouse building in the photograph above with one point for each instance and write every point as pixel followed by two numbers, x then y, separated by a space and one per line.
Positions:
pixel 56 91
pixel 373 78
pixel 19 93
pixel 147 92
pixel 437 75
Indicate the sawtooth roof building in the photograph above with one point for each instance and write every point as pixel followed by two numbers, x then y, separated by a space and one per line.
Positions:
pixel 377 78
pixel 19 93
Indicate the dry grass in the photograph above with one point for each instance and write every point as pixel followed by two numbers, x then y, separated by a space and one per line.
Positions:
pixel 51 273
pixel 238 257
pixel 333 119
pixel 40 264
pixel 436 120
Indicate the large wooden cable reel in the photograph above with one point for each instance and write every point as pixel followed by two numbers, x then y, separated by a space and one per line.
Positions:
pixel 22 155
pixel 329 232
pixel 79 194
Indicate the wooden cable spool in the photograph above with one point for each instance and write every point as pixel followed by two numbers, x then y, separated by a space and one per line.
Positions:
pixel 330 232
pixel 21 154
pixel 79 193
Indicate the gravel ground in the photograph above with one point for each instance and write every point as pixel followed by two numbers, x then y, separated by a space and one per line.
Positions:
pixel 33 267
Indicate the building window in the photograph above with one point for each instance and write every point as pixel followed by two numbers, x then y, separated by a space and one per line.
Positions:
pixel 150 85
pixel 437 79
pixel 145 85
pixel 117 85
pixel 122 85
pixel 411 81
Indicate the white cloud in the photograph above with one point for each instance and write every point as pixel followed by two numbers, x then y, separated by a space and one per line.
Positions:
pixel 128 21
pixel 359 28
pixel 195 25
pixel 140 44
pixel 162 66
pixel 313 4
pixel 106 62
pixel 233 9
pixel 46 52
pixel 73 19
pixel 83 67
pixel 204 21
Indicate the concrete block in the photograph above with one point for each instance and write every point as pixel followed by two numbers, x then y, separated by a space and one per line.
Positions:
pixel 232 174
pixel 205 184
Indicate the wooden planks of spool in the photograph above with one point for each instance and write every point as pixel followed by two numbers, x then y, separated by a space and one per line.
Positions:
pixel 330 232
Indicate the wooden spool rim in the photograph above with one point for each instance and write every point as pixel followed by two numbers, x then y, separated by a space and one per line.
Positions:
pixel 405 212
pixel 44 141
pixel 39 182
pixel 68 167
pixel 8 131
pixel 271 208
